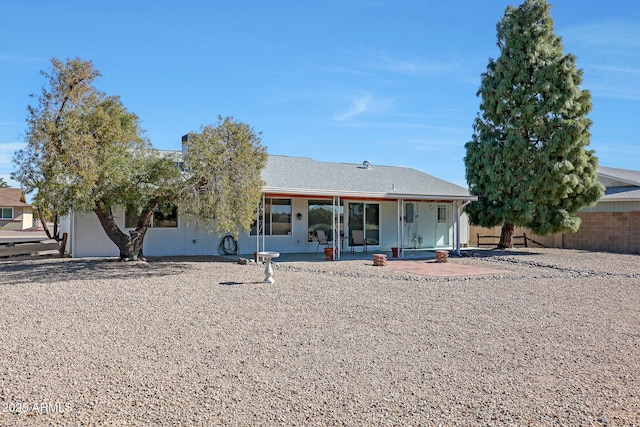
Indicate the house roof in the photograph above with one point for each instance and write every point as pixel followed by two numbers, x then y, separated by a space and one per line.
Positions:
pixel 621 194
pixel 614 177
pixel 12 198
pixel 622 185
pixel 305 176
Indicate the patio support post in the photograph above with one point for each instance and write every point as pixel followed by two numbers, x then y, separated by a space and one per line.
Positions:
pixel 459 207
pixel 264 209
pixel 260 224
pixel 400 217
pixel 454 224
pixel 336 227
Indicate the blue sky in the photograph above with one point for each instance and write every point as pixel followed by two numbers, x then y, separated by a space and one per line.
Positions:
pixel 392 82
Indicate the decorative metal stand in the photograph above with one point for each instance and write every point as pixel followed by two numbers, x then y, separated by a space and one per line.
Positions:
pixel 268 271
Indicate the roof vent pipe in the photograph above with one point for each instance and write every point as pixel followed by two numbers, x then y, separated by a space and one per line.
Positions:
pixel 366 164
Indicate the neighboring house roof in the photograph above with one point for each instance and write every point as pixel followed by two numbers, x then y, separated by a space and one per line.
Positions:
pixel 305 176
pixel 621 184
pixel 12 198
pixel 615 177
pixel 621 194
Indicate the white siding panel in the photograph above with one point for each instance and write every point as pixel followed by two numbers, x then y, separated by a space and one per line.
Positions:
pixel 89 238
pixel 388 226
pixel 186 239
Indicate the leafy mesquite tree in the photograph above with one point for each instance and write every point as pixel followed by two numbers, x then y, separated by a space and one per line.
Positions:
pixel 85 152
pixel 527 161
pixel 223 182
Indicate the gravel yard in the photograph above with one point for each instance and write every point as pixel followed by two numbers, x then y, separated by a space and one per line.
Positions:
pixel 553 339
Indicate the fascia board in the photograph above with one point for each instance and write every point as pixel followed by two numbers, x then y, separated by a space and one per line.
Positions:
pixel 359 194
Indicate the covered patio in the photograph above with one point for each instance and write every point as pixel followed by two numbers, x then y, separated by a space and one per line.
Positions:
pixel 308 206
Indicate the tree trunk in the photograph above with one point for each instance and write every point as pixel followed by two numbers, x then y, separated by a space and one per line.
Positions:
pixel 506 236
pixel 130 246
pixel 56 232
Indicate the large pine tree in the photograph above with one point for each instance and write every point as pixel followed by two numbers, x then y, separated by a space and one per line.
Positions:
pixel 527 161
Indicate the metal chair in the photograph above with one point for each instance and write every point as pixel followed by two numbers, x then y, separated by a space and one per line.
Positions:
pixel 322 239
pixel 357 239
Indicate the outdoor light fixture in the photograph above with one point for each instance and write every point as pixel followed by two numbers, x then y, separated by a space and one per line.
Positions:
pixel 299 215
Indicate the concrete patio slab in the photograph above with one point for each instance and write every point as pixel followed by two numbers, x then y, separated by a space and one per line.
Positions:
pixel 440 269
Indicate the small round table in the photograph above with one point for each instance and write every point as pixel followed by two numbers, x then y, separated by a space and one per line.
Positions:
pixel 268 271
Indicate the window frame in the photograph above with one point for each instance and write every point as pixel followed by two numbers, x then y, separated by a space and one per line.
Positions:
pixel 2 210
pixel 442 219
pixel 372 235
pixel 128 225
pixel 320 204
pixel 269 216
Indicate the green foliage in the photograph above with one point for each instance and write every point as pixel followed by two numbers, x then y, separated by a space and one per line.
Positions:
pixel 527 161
pixel 223 165
pixel 86 152
pixel 84 147
pixel 3 183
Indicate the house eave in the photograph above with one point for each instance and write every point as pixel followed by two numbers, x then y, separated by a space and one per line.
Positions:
pixel 619 199
pixel 614 177
pixel 301 192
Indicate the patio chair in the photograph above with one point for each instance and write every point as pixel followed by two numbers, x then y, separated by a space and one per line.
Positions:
pixel 322 239
pixel 357 239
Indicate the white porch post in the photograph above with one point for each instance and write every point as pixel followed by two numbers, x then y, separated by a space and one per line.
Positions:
pixel 400 236
pixel 459 206
pixel 262 230
pixel 454 224
pixel 336 228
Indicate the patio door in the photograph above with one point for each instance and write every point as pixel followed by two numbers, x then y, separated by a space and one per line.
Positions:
pixel 442 226
pixel 366 217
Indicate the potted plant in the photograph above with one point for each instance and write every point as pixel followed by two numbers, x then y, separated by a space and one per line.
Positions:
pixel 329 253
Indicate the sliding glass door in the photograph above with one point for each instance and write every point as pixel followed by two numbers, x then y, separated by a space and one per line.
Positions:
pixel 365 217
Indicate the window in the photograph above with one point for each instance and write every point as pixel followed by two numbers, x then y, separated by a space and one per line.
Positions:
pixel 277 218
pixel 6 213
pixel 321 218
pixel 365 216
pixel 131 218
pixel 165 216
pixel 442 213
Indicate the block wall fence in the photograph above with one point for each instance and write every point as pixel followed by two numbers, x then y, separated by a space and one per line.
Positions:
pixel 617 232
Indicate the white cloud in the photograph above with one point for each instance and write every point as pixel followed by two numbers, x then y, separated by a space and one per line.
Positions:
pixel 21 59
pixel 6 155
pixel 607 34
pixel 362 104
pixel 414 67
pixel 614 69
pixel 609 54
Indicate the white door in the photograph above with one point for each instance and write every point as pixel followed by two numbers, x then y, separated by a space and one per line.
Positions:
pixel 442 226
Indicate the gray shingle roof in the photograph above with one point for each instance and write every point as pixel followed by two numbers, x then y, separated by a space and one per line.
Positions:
pixel 305 176
pixel 625 176
pixel 622 184
pixel 621 194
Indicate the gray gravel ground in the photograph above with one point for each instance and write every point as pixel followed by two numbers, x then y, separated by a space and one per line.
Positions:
pixel 552 340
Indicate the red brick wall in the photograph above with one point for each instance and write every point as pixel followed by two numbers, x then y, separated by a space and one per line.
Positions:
pixel 600 231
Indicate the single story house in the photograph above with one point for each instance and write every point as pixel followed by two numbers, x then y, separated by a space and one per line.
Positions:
pixel 15 212
pixel 306 205
pixel 612 225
